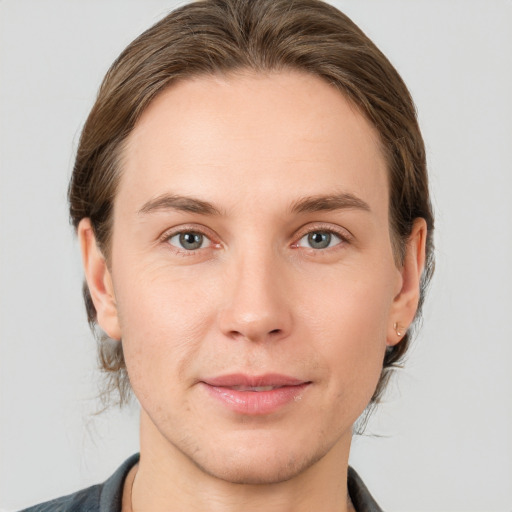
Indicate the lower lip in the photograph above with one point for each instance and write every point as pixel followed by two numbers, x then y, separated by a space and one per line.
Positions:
pixel 257 402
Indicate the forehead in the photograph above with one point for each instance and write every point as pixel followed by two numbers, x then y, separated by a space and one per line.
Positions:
pixel 246 134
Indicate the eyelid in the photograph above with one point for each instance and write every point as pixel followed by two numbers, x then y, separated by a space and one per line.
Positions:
pixel 189 228
pixel 205 241
pixel 344 234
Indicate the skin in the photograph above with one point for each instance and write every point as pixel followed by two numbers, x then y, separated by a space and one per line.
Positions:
pixel 256 297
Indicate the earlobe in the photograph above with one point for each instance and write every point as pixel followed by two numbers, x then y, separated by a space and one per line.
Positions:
pixel 406 302
pixel 99 281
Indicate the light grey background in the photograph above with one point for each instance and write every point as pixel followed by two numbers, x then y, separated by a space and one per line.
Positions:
pixel 446 431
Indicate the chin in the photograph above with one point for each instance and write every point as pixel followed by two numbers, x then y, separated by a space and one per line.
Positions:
pixel 247 473
pixel 260 465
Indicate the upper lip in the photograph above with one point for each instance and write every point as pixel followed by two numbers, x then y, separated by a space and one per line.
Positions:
pixel 240 379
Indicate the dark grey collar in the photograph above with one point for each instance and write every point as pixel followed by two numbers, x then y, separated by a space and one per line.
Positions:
pixel 108 496
pixel 359 494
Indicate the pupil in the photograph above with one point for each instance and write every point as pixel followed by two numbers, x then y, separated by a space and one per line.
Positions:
pixel 319 240
pixel 191 240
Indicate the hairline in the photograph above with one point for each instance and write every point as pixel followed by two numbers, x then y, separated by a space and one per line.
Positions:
pixel 120 151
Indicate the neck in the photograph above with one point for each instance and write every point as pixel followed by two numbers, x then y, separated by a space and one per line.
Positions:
pixel 165 478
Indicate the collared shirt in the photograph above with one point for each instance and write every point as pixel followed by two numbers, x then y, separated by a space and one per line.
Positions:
pixel 108 496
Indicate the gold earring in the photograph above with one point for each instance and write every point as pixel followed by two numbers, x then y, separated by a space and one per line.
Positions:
pixel 396 327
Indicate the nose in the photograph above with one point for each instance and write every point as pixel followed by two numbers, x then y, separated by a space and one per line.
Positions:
pixel 257 303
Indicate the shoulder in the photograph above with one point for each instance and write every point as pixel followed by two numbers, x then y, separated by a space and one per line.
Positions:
pixel 105 497
pixel 84 500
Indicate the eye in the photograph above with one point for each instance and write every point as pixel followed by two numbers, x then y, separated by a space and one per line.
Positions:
pixel 319 240
pixel 189 240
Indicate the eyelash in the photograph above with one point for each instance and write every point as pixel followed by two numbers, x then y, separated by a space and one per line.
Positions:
pixel 343 236
pixel 168 235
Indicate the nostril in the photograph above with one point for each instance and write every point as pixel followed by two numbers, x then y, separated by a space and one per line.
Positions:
pixel 275 331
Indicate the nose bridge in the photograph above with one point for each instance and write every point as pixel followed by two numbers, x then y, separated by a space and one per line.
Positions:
pixel 256 307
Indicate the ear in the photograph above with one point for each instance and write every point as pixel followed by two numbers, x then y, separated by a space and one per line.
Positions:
pixel 405 304
pixel 99 281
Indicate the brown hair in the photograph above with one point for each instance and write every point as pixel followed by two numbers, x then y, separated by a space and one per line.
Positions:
pixel 220 36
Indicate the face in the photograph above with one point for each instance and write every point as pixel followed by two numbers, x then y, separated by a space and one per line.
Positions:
pixel 252 279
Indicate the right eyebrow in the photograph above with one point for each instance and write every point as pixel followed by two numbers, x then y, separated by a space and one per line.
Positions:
pixel 180 203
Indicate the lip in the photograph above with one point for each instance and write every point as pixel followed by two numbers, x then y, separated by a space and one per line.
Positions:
pixel 240 393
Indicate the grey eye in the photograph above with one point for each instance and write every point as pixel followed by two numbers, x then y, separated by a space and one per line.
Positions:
pixel 319 240
pixel 189 240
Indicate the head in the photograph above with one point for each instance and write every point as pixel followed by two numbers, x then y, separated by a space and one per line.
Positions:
pixel 229 46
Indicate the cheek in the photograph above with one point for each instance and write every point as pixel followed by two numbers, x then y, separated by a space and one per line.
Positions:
pixel 349 321
pixel 163 316
pixel 354 301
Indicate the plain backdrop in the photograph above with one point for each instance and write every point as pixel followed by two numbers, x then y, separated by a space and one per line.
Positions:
pixel 443 440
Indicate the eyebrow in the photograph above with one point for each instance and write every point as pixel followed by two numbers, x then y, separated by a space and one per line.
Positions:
pixel 180 203
pixel 344 201
pixel 308 204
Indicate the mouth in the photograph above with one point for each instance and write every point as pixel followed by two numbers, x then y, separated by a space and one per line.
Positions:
pixel 255 395
pixel 255 389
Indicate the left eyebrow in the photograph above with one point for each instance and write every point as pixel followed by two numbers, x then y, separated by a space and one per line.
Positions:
pixel 345 201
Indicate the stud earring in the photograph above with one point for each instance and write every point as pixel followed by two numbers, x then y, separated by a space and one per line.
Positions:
pixel 397 329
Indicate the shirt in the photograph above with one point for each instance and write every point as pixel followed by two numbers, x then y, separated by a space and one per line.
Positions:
pixel 107 497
